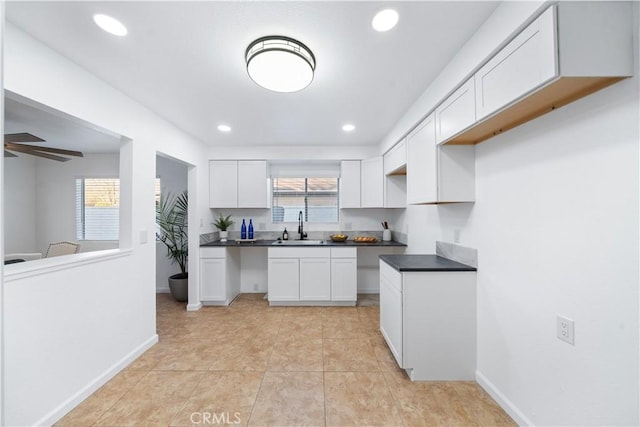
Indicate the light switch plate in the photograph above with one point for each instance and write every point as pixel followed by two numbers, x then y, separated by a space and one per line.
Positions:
pixel 143 237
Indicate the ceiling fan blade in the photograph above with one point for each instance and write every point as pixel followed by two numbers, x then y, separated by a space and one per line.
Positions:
pixel 21 137
pixel 26 150
pixel 8 154
pixel 10 146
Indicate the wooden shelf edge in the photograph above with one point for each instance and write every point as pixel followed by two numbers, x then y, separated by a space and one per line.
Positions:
pixel 556 94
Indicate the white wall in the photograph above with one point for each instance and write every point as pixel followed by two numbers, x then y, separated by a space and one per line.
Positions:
pixel 556 228
pixel 90 317
pixel 173 179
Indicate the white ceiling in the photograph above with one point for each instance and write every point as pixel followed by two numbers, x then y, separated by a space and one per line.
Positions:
pixel 57 130
pixel 185 60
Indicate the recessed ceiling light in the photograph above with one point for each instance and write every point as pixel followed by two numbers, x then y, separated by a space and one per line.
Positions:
pixel 109 24
pixel 348 127
pixel 385 20
pixel 224 128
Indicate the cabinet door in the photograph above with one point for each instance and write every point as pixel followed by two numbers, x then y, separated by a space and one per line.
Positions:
pixel 315 279
pixel 457 112
pixel 391 310
pixel 212 279
pixel 283 279
pixel 520 67
pixel 252 184
pixel 396 159
pixel 422 186
pixel 350 184
pixel 223 184
pixel 344 279
pixel 372 183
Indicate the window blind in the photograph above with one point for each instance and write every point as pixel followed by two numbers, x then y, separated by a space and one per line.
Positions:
pixel 97 208
pixel 317 198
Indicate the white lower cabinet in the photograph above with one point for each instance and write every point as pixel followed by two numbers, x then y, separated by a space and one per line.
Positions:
pixel 344 274
pixel 219 275
pixel 315 279
pixel 428 319
pixel 283 279
pixel 312 275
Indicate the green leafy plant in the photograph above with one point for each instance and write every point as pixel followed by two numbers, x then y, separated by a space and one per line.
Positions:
pixel 171 217
pixel 222 223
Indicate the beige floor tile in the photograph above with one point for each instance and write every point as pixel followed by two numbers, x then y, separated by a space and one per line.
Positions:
pixel 242 355
pixel 359 398
pixel 298 329
pixel 153 401
pixel 349 355
pixel 342 327
pixel 93 407
pixel 289 399
pixel 221 398
pixel 296 355
pixel 187 358
pixel 480 405
pixel 150 358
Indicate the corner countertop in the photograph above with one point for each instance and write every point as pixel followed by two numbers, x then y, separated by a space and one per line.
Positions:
pixel 405 263
pixel 327 243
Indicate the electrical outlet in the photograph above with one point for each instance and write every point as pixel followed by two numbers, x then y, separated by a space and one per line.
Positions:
pixel 565 329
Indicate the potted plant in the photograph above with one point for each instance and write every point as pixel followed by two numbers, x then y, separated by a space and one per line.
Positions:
pixel 222 223
pixel 171 217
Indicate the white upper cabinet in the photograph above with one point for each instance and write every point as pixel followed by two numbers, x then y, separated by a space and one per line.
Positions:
pixel 435 173
pixel 223 184
pixel 457 112
pixel 350 184
pixel 525 63
pixel 253 190
pixel 421 163
pixel 372 183
pixel 395 160
pixel 238 184
pixel 570 51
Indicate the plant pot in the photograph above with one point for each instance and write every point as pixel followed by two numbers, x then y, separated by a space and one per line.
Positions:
pixel 224 235
pixel 179 286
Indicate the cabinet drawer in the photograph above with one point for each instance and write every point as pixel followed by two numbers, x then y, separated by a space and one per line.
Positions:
pixel 344 252
pixel 298 252
pixel 213 252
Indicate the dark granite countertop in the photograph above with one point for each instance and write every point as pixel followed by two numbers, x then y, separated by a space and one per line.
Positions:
pixel 328 243
pixel 424 263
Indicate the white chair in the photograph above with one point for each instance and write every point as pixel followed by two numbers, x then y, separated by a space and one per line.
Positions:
pixel 62 248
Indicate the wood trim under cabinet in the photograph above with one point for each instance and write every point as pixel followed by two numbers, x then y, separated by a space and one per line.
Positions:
pixel 556 94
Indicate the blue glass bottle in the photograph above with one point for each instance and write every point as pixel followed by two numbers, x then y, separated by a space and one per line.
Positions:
pixel 250 229
pixel 243 230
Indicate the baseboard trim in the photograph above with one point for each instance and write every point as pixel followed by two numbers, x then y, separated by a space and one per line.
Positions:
pixel 194 307
pixel 503 401
pixel 56 414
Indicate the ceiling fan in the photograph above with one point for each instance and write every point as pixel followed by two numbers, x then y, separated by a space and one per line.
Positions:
pixel 12 142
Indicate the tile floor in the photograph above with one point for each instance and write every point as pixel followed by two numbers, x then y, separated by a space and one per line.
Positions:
pixel 251 364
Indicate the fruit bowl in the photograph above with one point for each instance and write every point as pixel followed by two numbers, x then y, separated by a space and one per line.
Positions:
pixel 338 237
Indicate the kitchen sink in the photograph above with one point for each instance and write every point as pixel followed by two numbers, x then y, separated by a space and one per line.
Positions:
pixel 297 242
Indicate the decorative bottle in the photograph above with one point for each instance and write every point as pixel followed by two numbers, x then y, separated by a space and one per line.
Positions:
pixel 250 229
pixel 243 230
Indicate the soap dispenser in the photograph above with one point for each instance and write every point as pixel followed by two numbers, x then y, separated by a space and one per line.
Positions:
pixel 285 234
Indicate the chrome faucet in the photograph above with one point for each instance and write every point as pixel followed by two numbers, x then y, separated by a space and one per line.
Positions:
pixel 303 235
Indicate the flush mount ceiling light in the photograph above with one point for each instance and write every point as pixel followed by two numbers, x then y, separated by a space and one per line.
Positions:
pixel 110 25
pixel 280 63
pixel 224 128
pixel 348 127
pixel 385 20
